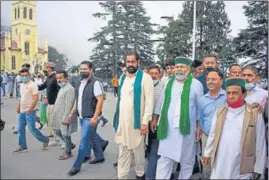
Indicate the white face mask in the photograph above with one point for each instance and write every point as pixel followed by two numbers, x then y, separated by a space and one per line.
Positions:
pixel 250 86
pixel 181 75
pixel 155 81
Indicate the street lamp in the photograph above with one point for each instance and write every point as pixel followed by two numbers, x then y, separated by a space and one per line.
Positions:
pixel 169 18
pixel 193 30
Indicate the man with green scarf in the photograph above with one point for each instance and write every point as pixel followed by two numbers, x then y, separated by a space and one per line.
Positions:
pixel 133 112
pixel 177 126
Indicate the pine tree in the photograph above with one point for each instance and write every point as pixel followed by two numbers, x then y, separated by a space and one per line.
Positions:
pixel 252 42
pixel 128 29
pixel 177 35
pixel 213 27
pixel 59 59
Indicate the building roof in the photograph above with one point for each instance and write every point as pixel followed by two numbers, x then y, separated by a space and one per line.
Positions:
pixel 40 50
pixel 14 46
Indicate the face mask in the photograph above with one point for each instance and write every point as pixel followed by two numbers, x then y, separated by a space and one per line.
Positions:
pixel 25 79
pixel 45 73
pixel 250 86
pixel 131 69
pixel 155 82
pixel 181 75
pixel 84 75
pixel 207 70
pixel 236 104
pixel 61 84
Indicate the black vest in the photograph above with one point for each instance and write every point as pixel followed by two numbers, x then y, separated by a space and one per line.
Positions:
pixel 89 101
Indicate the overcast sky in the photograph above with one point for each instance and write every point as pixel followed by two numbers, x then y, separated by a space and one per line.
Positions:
pixel 68 24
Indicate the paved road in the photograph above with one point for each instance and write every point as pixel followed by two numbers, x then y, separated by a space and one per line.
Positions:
pixel 45 165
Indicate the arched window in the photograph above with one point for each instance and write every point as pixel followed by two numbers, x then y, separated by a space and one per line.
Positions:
pixel 15 13
pixel 26 48
pixel 24 12
pixel 13 62
pixel 31 14
pixel 18 12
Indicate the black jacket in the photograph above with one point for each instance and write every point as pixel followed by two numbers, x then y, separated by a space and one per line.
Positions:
pixel 52 88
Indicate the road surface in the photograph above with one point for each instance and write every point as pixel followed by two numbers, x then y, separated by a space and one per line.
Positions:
pixel 38 164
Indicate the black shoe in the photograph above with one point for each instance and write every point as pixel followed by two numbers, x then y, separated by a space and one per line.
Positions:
pixel 141 177
pixel 87 158
pixel 104 147
pixel 104 122
pixel 40 126
pixel 95 161
pixel 15 132
pixel 115 164
pixel 73 146
pixel 73 172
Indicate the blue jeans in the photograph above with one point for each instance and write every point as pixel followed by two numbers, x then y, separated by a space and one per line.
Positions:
pixel 88 137
pixel 3 87
pixel 29 119
pixel 67 140
pixel 152 160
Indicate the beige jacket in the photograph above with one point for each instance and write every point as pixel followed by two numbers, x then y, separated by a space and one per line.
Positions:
pixel 248 138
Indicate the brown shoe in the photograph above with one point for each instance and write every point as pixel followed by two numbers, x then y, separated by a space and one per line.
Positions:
pixel 65 156
pixel 20 150
pixel 45 146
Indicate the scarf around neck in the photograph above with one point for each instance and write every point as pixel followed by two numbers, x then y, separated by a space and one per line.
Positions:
pixel 184 118
pixel 137 100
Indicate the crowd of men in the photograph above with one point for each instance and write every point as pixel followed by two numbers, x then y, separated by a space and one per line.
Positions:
pixel 171 109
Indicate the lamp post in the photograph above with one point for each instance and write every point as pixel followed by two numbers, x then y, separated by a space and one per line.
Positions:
pixel 193 30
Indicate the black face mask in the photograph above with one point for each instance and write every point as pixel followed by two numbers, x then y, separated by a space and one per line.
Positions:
pixel 131 69
pixel 45 73
pixel 207 70
pixel 84 75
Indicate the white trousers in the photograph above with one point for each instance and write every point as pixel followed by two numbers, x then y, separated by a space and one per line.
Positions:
pixel 125 160
pixel 165 168
pixel 204 141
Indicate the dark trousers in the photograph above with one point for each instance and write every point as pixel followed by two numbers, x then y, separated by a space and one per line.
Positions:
pixel 115 91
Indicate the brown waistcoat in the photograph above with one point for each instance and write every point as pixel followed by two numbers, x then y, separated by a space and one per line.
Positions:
pixel 248 139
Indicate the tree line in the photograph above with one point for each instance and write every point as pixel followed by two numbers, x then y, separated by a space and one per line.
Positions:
pixel 128 28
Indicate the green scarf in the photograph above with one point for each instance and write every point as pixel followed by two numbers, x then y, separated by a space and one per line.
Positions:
pixel 184 109
pixel 137 100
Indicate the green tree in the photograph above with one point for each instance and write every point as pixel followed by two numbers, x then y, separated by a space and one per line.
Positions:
pixel 58 58
pixel 212 29
pixel 252 42
pixel 128 29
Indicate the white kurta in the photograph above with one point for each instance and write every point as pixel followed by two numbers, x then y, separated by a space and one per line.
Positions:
pixel 227 161
pixel 177 147
pixel 126 134
pixel 257 95
pixel 174 137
